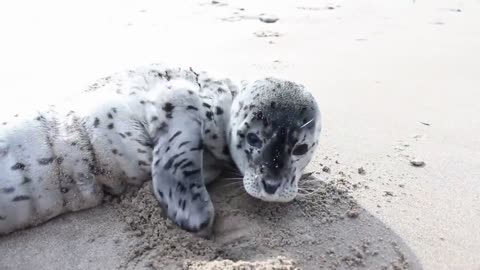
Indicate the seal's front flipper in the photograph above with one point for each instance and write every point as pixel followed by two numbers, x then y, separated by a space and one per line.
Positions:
pixel 177 172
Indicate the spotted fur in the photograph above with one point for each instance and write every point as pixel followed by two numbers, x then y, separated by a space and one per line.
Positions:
pixel 174 126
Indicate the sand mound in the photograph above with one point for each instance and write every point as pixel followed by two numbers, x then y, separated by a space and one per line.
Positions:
pixel 277 264
pixel 323 226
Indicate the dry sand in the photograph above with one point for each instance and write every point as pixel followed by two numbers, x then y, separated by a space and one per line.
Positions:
pixel 397 82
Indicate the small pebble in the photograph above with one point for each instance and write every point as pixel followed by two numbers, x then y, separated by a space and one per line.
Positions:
pixel 326 169
pixel 266 18
pixel 361 171
pixel 417 162
pixel 388 193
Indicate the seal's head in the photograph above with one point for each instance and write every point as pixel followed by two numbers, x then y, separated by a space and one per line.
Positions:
pixel 274 129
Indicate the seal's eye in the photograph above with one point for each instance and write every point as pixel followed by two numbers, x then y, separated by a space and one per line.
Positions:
pixel 253 140
pixel 300 149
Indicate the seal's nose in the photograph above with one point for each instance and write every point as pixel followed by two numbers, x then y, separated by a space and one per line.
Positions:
pixel 270 187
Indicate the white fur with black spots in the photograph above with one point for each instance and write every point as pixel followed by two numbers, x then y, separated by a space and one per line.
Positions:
pixel 171 125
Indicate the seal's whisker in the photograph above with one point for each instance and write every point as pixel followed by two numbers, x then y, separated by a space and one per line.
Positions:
pixel 240 194
pixel 232 184
pixel 304 125
pixel 232 178
pixel 233 172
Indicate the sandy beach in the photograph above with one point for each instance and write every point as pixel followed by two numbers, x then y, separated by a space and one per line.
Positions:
pixel 397 83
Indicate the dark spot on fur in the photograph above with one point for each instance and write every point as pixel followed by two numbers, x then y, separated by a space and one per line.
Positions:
pixel 170 193
pixel 184 203
pixel 142 102
pixel 156 162
pixel 207 131
pixel 190 173
pixel 8 190
pixel 175 166
pixel 174 136
pixel 168 149
pixel 142 163
pixel 114 151
pixel 109 115
pixel 225 150
pixel 240 134
pixel 198 148
pixel 214 136
pixel 181 188
pixel 154 118
pixel 248 154
pixel 128 133
pixel 122 135
pixel 170 161
pixel 141 151
pixel 21 198
pixel 196 196
pixel 160 193
pixel 45 161
pixel 189 107
pixel 168 108
pixel 96 122
pixel 209 115
pixel 110 126
pixel 303 110
pixel 39 118
pixel 273 105
pixel 163 128
pixel 64 190
pixel 144 143
pixel 26 180
pixel 186 165
pixel 183 143
pixel 206 105
pixel 114 110
pixel 219 111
